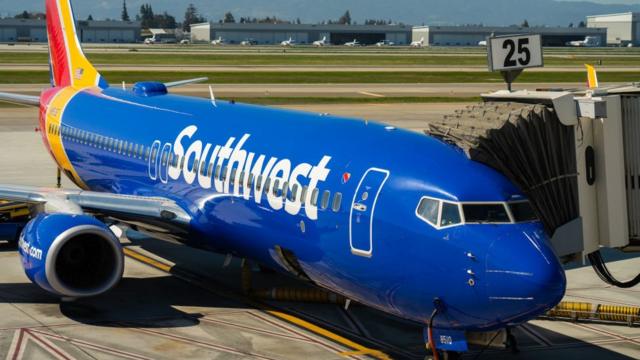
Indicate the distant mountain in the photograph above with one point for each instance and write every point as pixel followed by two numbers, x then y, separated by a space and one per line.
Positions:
pixel 417 12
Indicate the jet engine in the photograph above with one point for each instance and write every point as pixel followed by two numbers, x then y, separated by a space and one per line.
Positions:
pixel 71 255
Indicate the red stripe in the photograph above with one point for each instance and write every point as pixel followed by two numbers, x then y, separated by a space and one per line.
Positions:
pixel 57 47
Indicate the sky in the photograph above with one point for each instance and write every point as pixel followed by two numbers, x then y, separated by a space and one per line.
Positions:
pixel 101 9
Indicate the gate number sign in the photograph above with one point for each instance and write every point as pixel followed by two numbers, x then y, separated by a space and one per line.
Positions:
pixel 515 52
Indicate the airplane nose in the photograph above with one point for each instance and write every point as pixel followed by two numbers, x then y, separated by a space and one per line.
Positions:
pixel 524 276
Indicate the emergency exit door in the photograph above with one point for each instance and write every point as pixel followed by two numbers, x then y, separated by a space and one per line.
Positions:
pixel 361 218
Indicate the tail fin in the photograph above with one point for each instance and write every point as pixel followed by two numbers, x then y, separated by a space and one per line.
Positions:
pixel 592 77
pixel 69 65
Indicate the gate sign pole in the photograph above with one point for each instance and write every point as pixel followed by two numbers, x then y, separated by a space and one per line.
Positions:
pixel 512 54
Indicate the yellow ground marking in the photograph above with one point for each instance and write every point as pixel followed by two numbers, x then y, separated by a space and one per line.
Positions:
pixel 357 348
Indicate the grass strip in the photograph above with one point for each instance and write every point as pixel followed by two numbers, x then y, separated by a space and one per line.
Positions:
pixel 115 77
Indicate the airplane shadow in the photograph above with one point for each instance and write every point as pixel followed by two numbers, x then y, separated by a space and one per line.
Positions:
pixel 156 302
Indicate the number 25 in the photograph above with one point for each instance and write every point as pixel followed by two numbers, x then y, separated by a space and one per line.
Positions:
pixel 510 45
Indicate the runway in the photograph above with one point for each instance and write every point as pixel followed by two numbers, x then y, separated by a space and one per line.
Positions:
pixel 310 69
pixel 330 90
pixel 184 303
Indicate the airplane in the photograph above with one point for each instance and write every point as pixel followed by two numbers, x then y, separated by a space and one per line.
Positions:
pixel 320 43
pixel 417 44
pixel 289 42
pixel 589 41
pixel 218 41
pixel 385 217
pixel 353 43
pixel 248 42
pixel 385 43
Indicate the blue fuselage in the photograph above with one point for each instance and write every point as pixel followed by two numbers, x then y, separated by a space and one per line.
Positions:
pixel 358 235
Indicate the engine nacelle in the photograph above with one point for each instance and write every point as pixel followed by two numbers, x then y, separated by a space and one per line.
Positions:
pixel 71 255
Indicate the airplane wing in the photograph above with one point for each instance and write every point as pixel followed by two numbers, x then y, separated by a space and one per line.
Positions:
pixel 155 214
pixel 20 99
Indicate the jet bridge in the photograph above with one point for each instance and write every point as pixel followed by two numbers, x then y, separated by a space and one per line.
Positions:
pixel 575 155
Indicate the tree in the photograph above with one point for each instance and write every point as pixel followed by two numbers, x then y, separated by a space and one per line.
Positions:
pixel 191 16
pixel 525 24
pixel 90 17
pixel 345 19
pixel 228 18
pixel 146 16
pixel 25 15
pixel 582 24
pixel 570 25
pixel 125 12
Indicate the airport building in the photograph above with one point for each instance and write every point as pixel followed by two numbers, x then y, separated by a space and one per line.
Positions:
pixel 269 34
pixel 622 29
pixel 472 35
pixel 28 30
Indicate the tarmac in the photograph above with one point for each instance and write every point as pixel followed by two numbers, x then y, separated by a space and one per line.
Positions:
pixel 229 91
pixel 176 302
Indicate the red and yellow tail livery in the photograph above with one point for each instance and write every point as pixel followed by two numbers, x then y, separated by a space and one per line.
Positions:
pixel 69 65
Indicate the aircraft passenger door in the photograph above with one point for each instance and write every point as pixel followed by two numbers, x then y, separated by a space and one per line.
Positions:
pixel 153 160
pixel 361 231
pixel 164 162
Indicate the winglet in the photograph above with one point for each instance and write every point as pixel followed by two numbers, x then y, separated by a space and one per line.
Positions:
pixel 69 65
pixel 592 76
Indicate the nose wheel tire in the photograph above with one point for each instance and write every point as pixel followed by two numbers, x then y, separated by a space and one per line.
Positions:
pixel 446 355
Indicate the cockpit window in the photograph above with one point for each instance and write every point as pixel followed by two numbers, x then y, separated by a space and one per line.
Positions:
pixel 485 213
pixel 428 210
pixel 450 214
pixel 522 211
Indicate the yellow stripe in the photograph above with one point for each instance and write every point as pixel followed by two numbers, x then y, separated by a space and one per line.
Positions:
pixel 53 124
pixel 358 349
pixel 83 74
pixel 592 76
pixel 147 260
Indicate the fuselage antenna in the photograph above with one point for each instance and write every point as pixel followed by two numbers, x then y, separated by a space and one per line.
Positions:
pixel 213 97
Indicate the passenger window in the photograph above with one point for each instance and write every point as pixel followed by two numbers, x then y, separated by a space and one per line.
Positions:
pixel 251 178
pixel 314 196
pixel 164 158
pixel 285 189
pixel 135 150
pixel 218 171
pixel 326 196
pixel 259 184
pixel 267 185
pixel 428 210
pixel 276 185
pixel 131 149
pixel 210 170
pixel 224 174
pixel 450 214
pixel 154 153
pixel 233 175
pixel 485 213
pixel 303 194
pixel 196 166
pixel 337 201
pixel 203 168
pixel 294 192
pixel 242 176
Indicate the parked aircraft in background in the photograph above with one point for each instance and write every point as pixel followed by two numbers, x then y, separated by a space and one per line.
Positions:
pixel 218 41
pixel 353 43
pixel 385 43
pixel 418 44
pixel 482 43
pixel 288 43
pixel 249 42
pixel 320 43
pixel 350 206
pixel 589 41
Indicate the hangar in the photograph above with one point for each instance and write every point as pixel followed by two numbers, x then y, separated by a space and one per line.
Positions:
pixel 472 35
pixel 622 29
pixel 268 34
pixel 31 30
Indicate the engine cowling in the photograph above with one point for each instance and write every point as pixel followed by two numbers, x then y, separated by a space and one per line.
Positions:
pixel 71 255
